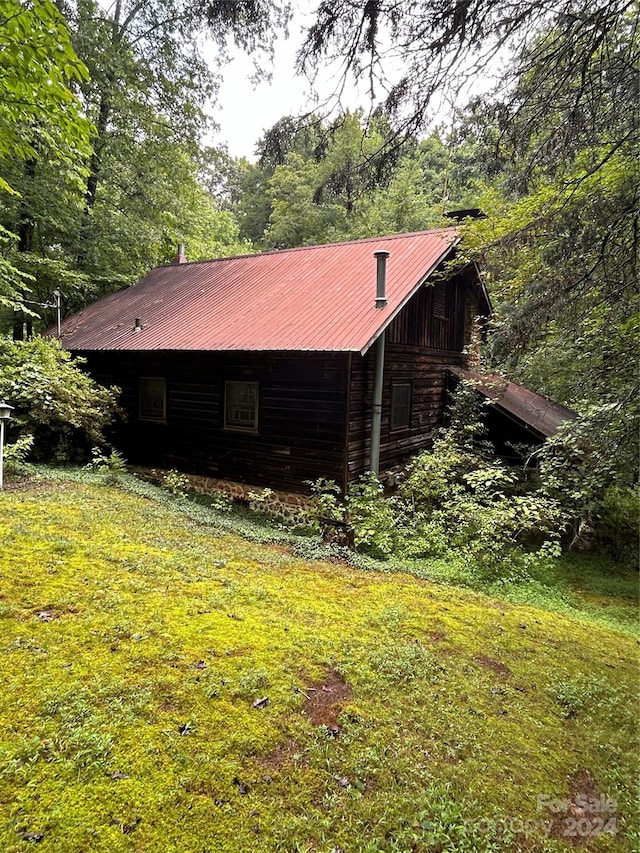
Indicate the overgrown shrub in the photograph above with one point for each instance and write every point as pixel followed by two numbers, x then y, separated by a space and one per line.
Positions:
pixel 15 455
pixel 64 409
pixel 372 516
pixel 458 498
pixel 177 483
pixel 591 467
pixel 455 499
pixel 617 526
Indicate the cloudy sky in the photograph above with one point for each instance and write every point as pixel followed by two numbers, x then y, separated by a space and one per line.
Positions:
pixel 244 111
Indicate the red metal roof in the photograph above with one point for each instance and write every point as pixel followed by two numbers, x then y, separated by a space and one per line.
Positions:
pixel 319 298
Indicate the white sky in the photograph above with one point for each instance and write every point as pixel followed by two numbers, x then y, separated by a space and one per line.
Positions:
pixel 245 111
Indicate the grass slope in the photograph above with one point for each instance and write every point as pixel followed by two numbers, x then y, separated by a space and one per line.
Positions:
pixel 173 688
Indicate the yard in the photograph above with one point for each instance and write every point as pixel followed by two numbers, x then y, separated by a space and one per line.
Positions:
pixel 172 686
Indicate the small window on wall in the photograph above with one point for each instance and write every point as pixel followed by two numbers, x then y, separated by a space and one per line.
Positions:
pixel 153 398
pixel 241 406
pixel 400 405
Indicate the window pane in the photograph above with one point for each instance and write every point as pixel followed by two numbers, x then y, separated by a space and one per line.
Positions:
pixel 241 405
pixel 152 398
pixel 400 406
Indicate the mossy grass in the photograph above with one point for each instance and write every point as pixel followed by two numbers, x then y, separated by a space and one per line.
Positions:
pixel 171 685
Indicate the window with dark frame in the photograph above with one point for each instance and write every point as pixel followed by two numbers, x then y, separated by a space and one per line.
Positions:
pixel 241 406
pixel 153 398
pixel 400 405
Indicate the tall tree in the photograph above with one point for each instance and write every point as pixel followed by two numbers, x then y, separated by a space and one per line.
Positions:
pixel 562 136
pixel 39 114
pixel 562 243
pixel 324 181
pixel 139 189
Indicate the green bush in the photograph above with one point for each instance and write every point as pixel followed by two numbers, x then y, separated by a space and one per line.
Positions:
pixel 15 455
pixel 176 483
pixel 456 498
pixel 617 527
pixel 591 467
pixel 64 409
pixel 453 499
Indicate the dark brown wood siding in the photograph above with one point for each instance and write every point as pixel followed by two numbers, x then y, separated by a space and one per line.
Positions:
pixel 301 414
pixel 429 334
pixel 434 318
pixel 424 370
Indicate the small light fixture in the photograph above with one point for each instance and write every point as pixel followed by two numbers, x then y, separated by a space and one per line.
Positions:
pixel 5 415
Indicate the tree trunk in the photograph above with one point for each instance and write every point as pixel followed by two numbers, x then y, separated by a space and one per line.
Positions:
pixel 95 163
pixel 26 225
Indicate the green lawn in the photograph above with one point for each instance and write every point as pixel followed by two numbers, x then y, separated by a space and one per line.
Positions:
pixel 169 686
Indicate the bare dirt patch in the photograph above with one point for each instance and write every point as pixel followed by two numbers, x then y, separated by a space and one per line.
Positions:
pixel 281 757
pixel 325 700
pixel 323 705
pixel 495 665
pixel 24 483
pixel 584 815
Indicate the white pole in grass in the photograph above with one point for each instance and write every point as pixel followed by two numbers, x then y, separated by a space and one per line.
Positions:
pixel 5 415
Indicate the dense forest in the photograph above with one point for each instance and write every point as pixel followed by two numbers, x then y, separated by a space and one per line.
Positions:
pixel 105 167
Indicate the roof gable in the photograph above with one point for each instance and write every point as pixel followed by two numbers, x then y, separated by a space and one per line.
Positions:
pixel 318 298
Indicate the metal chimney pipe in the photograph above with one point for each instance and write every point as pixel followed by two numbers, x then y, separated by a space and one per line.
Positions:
pixel 180 258
pixel 137 325
pixel 381 277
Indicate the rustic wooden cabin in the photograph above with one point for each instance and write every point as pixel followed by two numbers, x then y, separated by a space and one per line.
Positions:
pixel 279 368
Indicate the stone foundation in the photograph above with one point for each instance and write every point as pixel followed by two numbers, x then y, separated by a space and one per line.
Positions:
pixel 289 506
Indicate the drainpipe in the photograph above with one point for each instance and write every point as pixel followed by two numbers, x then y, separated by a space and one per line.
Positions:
pixel 376 409
pixel 378 375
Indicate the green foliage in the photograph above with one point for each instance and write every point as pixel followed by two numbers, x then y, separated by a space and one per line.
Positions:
pixel 220 501
pixel 561 244
pixel 402 714
pixel 54 400
pixel 175 483
pixel 372 516
pixel 69 224
pixel 40 117
pixel 455 499
pixel 15 455
pixel 588 466
pixel 37 65
pixel 107 461
pixel 580 695
pixel 318 182
pixel 617 526
pixel 326 499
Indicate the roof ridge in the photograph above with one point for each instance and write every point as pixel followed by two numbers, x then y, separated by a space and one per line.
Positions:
pixel 400 235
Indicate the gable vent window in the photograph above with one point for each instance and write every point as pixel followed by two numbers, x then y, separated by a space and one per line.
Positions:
pixel 440 306
pixel 153 398
pixel 241 406
pixel 400 405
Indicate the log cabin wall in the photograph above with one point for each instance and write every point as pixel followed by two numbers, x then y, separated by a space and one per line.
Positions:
pixel 430 333
pixel 301 431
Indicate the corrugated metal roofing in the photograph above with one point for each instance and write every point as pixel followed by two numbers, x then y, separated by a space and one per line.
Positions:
pixel 318 298
pixel 540 414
